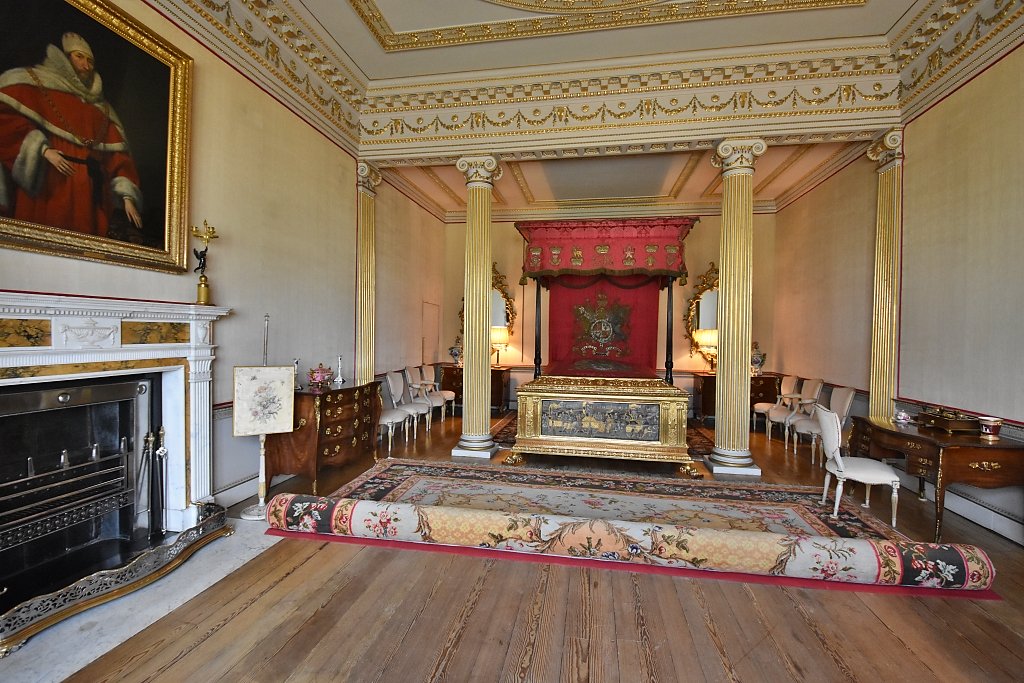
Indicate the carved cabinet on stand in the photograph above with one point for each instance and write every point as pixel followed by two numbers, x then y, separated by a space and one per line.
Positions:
pixel 332 428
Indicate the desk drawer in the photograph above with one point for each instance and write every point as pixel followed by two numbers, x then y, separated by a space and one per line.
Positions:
pixel 920 465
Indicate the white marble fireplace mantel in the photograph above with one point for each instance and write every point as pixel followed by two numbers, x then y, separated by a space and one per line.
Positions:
pixel 56 337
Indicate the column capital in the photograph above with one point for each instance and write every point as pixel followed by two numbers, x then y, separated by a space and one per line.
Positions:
pixel 887 150
pixel 737 155
pixel 480 170
pixel 367 178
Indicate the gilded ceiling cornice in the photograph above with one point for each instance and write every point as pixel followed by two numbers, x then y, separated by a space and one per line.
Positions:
pixel 568 6
pixel 641 14
pixel 270 43
pixel 936 58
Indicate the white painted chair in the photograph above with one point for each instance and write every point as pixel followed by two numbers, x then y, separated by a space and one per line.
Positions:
pixel 390 418
pixel 865 470
pixel 789 384
pixel 839 402
pixel 792 407
pixel 403 401
pixel 424 391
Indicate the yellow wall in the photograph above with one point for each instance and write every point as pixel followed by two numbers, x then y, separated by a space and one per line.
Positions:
pixel 824 260
pixel 410 282
pixel 961 327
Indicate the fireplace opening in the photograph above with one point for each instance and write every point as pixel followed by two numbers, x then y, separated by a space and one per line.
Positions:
pixel 81 481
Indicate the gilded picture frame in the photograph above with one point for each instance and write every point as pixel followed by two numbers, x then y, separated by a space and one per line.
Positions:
pixel 144 91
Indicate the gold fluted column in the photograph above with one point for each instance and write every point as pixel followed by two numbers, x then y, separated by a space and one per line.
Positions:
pixel 732 403
pixel 476 441
pixel 887 151
pixel 367 179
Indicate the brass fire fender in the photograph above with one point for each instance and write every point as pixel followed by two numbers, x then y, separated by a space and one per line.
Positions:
pixel 543 394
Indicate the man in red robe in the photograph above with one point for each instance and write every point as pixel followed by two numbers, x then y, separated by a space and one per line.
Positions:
pixel 63 151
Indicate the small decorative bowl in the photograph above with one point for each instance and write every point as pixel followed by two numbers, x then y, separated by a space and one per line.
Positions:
pixel 320 378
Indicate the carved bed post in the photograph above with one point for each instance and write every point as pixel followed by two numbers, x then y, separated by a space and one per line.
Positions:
pixel 668 334
pixel 536 334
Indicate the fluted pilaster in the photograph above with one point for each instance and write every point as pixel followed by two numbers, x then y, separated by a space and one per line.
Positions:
pixel 732 404
pixel 367 179
pixel 476 441
pixel 887 151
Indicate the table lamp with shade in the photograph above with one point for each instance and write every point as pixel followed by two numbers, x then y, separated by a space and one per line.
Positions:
pixel 499 341
pixel 707 340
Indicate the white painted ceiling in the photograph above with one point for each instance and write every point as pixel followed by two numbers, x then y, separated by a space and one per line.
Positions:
pixel 399 43
pixel 656 183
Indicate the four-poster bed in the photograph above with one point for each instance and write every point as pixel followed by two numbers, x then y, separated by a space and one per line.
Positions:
pixel 600 394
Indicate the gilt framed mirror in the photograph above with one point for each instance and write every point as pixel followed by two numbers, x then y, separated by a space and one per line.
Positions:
pixel 702 309
pixel 503 306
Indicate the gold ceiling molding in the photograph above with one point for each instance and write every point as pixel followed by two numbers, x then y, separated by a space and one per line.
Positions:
pixel 692 164
pixel 611 149
pixel 569 6
pixel 443 186
pixel 562 118
pixel 281 53
pixel 939 52
pixel 818 67
pixel 524 187
pixel 667 12
pixel 796 156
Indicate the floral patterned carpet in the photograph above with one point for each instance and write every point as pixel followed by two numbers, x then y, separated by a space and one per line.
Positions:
pixel 616 496
pixel 777 531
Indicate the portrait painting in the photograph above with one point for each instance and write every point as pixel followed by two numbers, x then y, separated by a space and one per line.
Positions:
pixel 93 135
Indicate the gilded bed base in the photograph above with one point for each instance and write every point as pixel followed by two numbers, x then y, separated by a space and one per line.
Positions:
pixel 597 417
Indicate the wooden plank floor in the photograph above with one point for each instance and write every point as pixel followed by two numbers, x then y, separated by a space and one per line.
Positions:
pixel 312 611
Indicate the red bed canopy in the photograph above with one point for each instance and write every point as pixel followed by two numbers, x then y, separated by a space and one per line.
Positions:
pixel 604 276
pixel 606 246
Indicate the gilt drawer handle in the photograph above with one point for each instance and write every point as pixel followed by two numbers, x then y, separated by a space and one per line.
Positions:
pixel 985 466
pixel 927 463
pixel 302 423
pixel 356 423
pixel 354 441
pixel 327 432
pixel 914 446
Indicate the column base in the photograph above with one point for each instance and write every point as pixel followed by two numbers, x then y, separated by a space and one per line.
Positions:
pixel 475 446
pixel 727 461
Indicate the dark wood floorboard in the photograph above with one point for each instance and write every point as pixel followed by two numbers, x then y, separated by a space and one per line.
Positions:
pixel 308 611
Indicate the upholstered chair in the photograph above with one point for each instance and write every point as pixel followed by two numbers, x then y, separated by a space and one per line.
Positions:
pixel 789 384
pixel 794 407
pixel 840 403
pixel 403 401
pixel 865 470
pixel 424 391
pixel 427 373
pixel 390 418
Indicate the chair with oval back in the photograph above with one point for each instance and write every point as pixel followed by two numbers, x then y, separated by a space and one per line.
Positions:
pixel 403 401
pixel 865 470
pixel 788 386
pixel 796 406
pixel 839 402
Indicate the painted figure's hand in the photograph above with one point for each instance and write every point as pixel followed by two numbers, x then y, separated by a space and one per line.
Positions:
pixel 132 212
pixel 57 160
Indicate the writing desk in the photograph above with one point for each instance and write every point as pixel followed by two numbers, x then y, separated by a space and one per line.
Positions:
pixel 940 457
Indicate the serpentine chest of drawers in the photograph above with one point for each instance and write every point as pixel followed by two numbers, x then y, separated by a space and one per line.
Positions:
pixel 332 428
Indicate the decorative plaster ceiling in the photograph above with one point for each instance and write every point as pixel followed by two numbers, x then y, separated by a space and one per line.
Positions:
pixel 603 107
